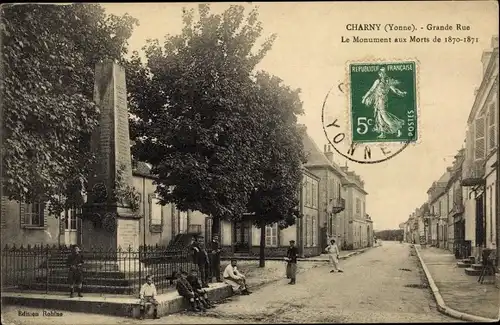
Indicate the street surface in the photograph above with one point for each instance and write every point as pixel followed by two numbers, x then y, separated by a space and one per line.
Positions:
pixel 373 288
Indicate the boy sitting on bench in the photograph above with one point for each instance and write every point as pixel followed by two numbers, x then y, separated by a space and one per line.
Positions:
pixel 185 290
pixel 198 289
pixel 148 297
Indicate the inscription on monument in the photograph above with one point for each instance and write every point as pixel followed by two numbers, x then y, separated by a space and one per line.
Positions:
pixel 128 230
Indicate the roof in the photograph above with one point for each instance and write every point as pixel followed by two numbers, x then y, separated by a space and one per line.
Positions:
pixel 315 157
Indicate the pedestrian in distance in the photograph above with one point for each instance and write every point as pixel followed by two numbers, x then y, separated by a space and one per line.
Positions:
pixel 333 256
pixel 291 258
pixel 185 290
pixel 147 295
pixel 215 259
pixel 201 293
pixel 75 275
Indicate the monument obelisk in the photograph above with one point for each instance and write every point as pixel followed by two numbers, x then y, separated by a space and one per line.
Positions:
pixel 109 223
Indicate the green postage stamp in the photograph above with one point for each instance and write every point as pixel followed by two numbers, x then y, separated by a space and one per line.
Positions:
pixel 383 102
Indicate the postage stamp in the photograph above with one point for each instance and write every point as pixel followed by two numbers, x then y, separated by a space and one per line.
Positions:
pixel 383 102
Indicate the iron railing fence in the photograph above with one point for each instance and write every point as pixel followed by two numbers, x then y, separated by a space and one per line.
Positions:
pixel 120 271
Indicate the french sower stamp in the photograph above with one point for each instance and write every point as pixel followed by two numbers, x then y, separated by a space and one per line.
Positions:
pixel 383 102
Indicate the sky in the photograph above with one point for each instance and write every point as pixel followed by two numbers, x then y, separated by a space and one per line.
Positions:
pixel 308 54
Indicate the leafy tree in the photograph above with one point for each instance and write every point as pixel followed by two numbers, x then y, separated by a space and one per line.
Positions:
pixel 281 155
pixel 195 123
pixel 48 56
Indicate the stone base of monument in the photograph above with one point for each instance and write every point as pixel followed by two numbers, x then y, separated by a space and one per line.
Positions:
pixel 126 306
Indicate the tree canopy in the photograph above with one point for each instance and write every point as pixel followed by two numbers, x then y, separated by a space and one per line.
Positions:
pixel 196 122
pixel 281 153
pixel 48 56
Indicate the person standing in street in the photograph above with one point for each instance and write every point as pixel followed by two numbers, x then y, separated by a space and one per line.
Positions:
pixel 291 258
pixel 333 256
pixel 215 259
pixel 75 276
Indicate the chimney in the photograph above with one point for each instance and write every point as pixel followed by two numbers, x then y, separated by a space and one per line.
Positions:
pixel 344 168
pixel 494 41
pixel 324 148
pixel 485 59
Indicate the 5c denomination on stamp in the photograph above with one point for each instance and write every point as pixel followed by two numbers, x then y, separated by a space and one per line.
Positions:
pixel 383 102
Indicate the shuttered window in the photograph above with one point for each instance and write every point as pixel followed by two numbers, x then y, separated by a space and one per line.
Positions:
pixel 492 126
pixel 314 232
pixel 479 138
pixel 155 214
pixel 3 212
pixel 272 235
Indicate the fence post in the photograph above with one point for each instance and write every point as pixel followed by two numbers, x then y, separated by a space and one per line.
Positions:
pixel 140 269
pixel 47 271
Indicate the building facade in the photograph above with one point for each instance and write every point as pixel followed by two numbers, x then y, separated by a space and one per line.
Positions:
pixel 31 224
pixel 481 154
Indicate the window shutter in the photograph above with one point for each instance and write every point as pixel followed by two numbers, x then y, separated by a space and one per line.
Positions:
pixel 45 213
pixel 479 138
pixel 22 214
pixel 492 126
pixel 3 225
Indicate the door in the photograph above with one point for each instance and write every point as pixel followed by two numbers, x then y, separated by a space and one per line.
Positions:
pixel 241 235
pixel 480 222
pixel 72 227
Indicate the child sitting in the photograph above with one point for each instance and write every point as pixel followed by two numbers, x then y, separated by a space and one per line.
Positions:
pixel 198 289
pixel 148 297
pixel 185 290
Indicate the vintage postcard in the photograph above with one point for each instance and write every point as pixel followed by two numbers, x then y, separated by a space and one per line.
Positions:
pixel 249 162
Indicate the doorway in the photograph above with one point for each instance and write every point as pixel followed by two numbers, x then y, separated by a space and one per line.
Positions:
pixel 241 235
pixel 72 227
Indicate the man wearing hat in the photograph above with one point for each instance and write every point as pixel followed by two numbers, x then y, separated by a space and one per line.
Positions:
pixel 291 258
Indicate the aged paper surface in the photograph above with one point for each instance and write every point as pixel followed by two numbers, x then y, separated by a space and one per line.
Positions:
pixel 399 193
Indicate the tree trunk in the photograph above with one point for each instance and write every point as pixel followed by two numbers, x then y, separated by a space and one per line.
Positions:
pixel 262 256
pixel 215 227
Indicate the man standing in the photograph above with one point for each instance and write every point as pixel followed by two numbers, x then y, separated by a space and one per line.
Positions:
pixel 235 279
pixel 333 256
pixel 75 276
pixel 215 258
pixel 203 262
pixel 291 258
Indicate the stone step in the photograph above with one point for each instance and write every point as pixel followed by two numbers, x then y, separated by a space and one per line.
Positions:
pixel 165 280
pixel 472 272
pixel 463 264
pixel 64 287
pixel 477 266
pixel 109 274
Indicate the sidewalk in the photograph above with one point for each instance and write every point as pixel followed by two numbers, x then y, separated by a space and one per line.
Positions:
pixel 459 291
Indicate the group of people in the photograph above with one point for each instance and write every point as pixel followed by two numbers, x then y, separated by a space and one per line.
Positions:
pixel 192 286
pixel 293 253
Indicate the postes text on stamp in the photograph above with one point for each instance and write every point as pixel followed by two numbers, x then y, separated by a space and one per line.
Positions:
pixel 383 102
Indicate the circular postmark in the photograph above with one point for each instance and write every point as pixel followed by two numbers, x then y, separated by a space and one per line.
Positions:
pixel 382 115
pixel 336 132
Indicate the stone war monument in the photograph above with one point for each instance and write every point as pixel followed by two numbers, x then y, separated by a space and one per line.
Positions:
pixel 109 221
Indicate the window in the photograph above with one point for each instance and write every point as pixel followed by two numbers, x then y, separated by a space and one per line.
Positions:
pixel 272 235
pixel 358 206
pixel 183 221
pixel 364 209
pixel 307 191
pixel 34 214
pixel 314 195
pixel 491 213
pixel 155 211
pixel 306 231
pixel 71 221
pixel 208 230
pixel 479 138
pixel 492 127
pixel 314 231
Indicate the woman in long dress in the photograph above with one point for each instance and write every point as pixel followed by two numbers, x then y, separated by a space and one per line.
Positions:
pixel 377 96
